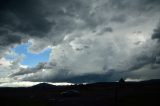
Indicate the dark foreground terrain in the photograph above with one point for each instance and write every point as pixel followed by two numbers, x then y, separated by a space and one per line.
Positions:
pixel 146 93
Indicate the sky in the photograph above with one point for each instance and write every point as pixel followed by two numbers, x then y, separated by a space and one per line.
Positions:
pixel 79 41
pixel 31 59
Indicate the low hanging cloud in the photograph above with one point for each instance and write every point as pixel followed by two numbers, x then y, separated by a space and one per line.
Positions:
pixel 90 40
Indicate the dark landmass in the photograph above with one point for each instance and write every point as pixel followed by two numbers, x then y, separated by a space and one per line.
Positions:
pixel 145 93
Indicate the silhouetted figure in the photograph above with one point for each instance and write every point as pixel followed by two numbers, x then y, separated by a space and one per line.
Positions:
pixel 121 81
pixel 118 86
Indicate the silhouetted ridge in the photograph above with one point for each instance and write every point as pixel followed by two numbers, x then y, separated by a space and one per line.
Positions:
pixel 152 81
pixel 44 85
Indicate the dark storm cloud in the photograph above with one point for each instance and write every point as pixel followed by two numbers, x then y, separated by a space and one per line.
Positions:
pixel 111 75
pixel 8 38
pixel 29 17
pixel 19 18
pixel 142 61
pixel 158 60
pixel 89 78
pixel 64 76
pixel 156 33
pixel 67 17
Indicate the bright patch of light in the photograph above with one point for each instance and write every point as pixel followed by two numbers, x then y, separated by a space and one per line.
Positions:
pixel 18 84
pixel 133 80
pixel 138 38
pixel 29 84
pixel 61 84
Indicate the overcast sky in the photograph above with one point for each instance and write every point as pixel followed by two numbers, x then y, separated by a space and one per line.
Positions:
pixel 79 40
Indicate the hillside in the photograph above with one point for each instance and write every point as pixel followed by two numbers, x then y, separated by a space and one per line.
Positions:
pixel 143 93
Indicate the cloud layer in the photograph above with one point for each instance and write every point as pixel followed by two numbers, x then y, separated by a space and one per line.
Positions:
pixel 90 40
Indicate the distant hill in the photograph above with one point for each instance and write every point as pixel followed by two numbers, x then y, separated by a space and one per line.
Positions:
pixel 43 85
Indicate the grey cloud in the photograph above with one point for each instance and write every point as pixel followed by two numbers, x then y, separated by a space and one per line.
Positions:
pixel 24 71
pixel 9 38
pixel 69 17
pixel 157 59
pixel 53 19
pixel 105 29
pixel 142 61
pixel 109 29
pixel 60 15
pixel 126 9
pixel 16 62
pixel 139 6
pixel 149 71
pixel 89 78
pixel 39 45
pixel 65 76
pixel 120 18
pixel 25 16
pixel 156 33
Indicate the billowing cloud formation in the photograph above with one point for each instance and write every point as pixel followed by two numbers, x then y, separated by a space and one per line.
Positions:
pixel 91 40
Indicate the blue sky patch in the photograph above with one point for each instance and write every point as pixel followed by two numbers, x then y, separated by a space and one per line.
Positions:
pixel 31 59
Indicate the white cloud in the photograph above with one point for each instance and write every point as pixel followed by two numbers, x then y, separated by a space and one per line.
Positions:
pixel 4 62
